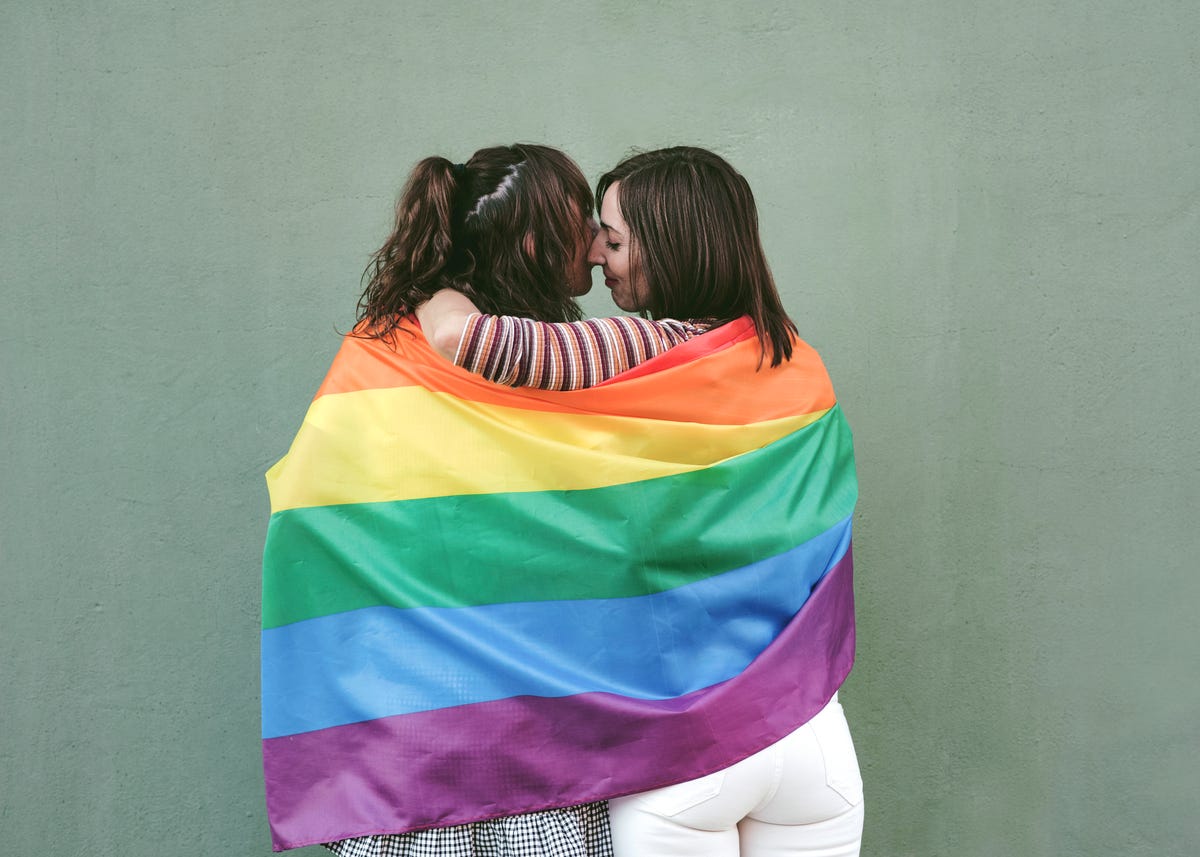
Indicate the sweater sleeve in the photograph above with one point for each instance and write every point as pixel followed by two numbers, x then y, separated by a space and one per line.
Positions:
pixel 521 352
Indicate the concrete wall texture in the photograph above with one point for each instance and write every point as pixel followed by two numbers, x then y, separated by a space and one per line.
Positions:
pixel 986 216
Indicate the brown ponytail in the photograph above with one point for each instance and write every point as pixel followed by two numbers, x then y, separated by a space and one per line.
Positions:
pixel 408 268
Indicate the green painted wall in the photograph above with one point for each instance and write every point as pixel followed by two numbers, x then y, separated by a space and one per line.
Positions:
pixel 986 216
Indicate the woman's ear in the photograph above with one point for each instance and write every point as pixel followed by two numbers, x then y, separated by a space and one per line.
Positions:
pixel 530 247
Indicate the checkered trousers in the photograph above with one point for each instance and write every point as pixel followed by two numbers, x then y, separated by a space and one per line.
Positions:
pixel 577 831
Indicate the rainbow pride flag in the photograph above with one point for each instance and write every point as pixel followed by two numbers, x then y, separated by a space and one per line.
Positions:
pixel 481 601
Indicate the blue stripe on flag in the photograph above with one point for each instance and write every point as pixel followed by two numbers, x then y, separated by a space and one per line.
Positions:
pixel 383 661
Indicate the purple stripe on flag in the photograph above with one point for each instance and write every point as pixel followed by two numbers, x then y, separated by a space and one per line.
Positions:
pixel 451 766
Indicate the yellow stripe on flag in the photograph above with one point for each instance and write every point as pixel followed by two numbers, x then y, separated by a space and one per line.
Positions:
pixel 405 443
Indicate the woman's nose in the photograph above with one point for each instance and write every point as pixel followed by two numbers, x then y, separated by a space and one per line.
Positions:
pixel 596 250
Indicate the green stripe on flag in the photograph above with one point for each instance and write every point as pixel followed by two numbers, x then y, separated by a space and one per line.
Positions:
pixel 612 542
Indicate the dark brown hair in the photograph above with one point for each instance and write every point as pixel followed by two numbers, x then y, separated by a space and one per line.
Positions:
pixel 504 228
pixel 694 237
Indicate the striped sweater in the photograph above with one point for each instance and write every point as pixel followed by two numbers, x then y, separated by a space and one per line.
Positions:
pixel 521 352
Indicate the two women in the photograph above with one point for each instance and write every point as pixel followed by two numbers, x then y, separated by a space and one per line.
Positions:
pixel 753 757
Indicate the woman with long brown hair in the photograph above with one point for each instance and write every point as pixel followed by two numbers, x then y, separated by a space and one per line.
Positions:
pixel 679 242
pixel 510 227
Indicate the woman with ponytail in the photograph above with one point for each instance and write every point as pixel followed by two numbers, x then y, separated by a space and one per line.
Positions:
pixel 511 228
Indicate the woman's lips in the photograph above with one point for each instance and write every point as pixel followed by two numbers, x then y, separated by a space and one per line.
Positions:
pixel 610 281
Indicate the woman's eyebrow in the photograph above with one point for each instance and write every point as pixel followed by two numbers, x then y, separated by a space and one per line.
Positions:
pixel 609 228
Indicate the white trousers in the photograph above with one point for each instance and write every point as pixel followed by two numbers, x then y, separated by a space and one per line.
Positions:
pixel 802 795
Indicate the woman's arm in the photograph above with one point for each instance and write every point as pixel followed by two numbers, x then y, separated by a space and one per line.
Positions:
pixel 521 352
